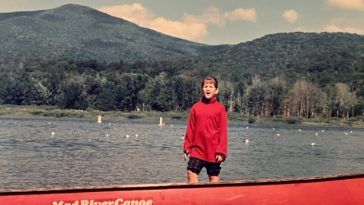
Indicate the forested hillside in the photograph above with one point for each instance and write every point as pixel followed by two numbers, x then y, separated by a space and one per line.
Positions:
pixel 79 33
pixel 78 65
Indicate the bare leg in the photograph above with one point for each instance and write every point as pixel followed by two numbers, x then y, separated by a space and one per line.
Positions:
pixel 214 178
pixel 192 177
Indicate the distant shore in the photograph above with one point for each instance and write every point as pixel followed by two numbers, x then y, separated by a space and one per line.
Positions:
pixel 32 111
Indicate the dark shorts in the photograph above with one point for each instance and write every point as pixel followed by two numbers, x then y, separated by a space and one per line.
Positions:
pixel 195 165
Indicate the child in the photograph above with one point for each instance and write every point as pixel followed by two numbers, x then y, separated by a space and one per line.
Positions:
pixel 206 136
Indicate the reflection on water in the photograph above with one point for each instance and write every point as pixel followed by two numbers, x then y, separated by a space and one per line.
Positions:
pixel 54 153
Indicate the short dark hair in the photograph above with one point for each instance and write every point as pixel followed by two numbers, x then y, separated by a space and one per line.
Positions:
pixel 210 78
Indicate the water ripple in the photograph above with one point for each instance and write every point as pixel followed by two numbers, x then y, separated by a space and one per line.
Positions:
pixel 43 153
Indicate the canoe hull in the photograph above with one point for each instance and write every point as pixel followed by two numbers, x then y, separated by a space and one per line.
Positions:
pixel 336 190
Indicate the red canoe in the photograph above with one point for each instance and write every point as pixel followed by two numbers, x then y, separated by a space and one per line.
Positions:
pixel 330 190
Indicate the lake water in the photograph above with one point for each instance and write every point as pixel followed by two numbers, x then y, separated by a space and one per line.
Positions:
pixel 43 153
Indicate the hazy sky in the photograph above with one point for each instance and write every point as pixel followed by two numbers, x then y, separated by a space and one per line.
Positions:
pixel 222 21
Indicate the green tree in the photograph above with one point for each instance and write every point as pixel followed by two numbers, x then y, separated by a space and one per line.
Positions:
pixel 158 94
pixel 186 91
pixel 18 88
pixel 128 88
pixel 72 93
pixel 275 91
pixel 254 97
pixel 106 99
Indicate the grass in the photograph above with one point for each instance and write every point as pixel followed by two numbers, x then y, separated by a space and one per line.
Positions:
pixel 52 111
pixel 27 111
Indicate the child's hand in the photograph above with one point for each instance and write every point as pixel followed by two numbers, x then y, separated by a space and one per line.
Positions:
pixel 219 158
pixel 185 156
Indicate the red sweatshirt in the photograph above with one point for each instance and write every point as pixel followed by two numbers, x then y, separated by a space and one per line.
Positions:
pixel 206 133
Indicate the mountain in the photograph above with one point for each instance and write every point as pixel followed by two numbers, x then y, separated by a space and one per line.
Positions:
pixel 327 57
pixel 77 57
pixel 81 33
pixel 85 33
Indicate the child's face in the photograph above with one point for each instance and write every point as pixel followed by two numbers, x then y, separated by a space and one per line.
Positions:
pixel 209 89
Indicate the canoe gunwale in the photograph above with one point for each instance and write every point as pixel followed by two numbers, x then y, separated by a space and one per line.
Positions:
pixel 161 186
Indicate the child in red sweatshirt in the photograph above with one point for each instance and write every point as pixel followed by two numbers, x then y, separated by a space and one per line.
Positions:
pixel 206 136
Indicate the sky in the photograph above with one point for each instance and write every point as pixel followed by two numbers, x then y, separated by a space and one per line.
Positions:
pixel 221 21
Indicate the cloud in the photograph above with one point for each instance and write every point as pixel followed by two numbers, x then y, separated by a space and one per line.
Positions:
pixel 135 12
pixel 300 29
pixel 192 31
pixel 290 16
pixel 213 16
pixel 208 16
pixel 346 29
pixel 241 15
pixel 191 27
pixel 348 4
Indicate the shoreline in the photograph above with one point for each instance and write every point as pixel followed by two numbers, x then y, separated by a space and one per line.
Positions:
pixel 47 112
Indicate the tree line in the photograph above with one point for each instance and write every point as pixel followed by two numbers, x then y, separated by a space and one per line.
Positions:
pixel 88 85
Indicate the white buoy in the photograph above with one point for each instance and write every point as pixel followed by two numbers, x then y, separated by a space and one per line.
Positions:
pixel 274 128
pixel 299 130
pixel 316 134
pixel 322 130
pixel 136 135
pixel 246 141
pixel 99 119
pixel 53 133
pixel 346 133
pixel 161 123
pixel 278 134
pixel 127 136
pixel 313 144
pixel 107 135
pixel 247 127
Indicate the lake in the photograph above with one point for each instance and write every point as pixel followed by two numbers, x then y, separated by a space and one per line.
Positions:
pixel 47 152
